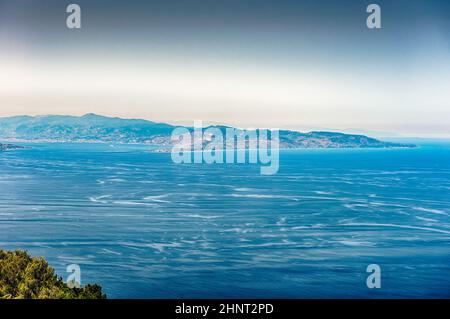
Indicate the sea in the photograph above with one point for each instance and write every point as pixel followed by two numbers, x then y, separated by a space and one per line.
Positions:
pixel 142 226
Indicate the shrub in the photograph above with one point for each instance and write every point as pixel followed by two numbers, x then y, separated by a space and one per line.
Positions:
pixel 26 277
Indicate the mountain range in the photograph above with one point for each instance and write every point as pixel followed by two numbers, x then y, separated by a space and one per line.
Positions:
pixel 97 128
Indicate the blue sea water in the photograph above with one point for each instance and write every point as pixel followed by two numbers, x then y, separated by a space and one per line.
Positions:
pixel 144 227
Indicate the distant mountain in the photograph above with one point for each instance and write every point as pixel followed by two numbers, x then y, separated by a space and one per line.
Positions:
pixel 89 127
pixel 96 128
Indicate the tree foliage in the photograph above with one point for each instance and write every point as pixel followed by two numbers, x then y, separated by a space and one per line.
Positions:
pixel 26 277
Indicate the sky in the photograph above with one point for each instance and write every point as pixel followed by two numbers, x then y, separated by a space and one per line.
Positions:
pixel 248 63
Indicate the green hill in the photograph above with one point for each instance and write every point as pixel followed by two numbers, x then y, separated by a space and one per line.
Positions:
pixel 97 128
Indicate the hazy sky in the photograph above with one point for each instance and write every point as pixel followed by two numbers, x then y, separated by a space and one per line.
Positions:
pixel 266 63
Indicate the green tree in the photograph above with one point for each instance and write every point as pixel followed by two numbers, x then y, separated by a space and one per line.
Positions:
pixel 26 277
